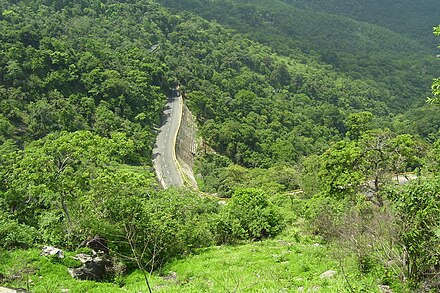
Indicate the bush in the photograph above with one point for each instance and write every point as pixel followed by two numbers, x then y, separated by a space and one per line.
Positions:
pixel 417 209
pixel 15 235
pixel 155 229
pixel 323 215
pixel 249 215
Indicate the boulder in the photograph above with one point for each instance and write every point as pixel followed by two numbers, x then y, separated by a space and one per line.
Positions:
pixel 172 276
pixel 10 290
pixel 328 274
pixel 385 289
pixel 83 258
pixel 94 268
pixel 50 250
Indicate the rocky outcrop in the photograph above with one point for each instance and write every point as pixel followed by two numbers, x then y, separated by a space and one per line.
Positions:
pixel 50 250
pixel 94 268
pixel 7 290
pixel 328 274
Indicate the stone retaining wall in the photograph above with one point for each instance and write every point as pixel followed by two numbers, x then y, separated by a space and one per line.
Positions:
pixel 186 145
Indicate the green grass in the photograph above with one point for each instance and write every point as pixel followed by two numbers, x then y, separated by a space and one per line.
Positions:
pixel 268 266
pixel 279 265
pixel 45 274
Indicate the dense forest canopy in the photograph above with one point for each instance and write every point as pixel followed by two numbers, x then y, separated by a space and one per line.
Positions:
pixel 361 49
pixel 315 103
pixel 410 18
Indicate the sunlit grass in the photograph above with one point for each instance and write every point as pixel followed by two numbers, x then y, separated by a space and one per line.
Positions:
pixel 278 265
pixel 268 266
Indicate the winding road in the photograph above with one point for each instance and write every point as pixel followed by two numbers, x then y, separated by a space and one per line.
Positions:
pixel 164 151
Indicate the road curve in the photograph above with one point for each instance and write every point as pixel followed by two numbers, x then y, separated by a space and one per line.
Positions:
pixel 164 151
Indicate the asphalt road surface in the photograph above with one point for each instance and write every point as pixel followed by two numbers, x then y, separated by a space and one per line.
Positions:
pixel 164 154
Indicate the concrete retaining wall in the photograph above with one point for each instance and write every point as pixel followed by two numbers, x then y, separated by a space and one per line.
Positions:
pixel 186 145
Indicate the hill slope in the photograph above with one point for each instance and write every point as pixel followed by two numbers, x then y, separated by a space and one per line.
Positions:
pixel 359 49
pixel 414 19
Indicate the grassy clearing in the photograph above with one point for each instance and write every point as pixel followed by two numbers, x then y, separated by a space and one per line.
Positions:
pixel 45 274
pixel 280 265
pixel 268 266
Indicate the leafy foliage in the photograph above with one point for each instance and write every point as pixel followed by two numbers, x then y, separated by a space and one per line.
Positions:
pixel 143 225
pixel 286 97
pixel 418 210
pixel 410 18
pixel 248 215
pixel 14 234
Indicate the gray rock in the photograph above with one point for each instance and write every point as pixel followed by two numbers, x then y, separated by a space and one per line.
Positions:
pixel 83 258
pixel 284 243
pixel 172 276
pixel 314 289
pixel 93 268
pixel 385 289
pixel 50 250
pixel 328 274
pixel 7 290
pixel 10 290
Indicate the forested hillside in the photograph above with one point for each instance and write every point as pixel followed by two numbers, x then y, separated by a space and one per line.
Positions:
pixel 410 18
pixel 68 67
pixel 359 49
pixel 307 119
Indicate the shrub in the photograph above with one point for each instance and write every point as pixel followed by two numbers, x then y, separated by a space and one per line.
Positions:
pixel 323 214
pixel 15 235
pixel 249 215
pixel 417 209
pixel 155 229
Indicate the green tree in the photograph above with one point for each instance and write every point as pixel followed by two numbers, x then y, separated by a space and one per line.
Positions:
pixel 417 207
pixel 148 227
pixel 357 123
pixel 248 215
pixel 339 171
pixel 51 176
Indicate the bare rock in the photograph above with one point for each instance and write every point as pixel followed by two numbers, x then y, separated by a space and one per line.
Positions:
pixel 10 290
pixel 385 289
pixel 284 243
pixel 328 274
pixel 83 258
pixel 7 290
pixel 94 268
pixel 172 276
pixel 50 250
pixel 314 289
